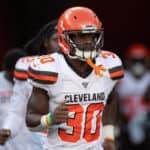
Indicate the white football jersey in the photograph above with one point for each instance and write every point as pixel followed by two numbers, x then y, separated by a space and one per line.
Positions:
pixel 15 120
pixel 131 92
pixel 5 94
pixel 21 67
pixel 86 98
pixel 21 93
pixel 138 86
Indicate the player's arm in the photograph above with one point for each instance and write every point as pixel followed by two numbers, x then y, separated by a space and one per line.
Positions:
pixel 110 110
pixel 42 75
pixel 37 106
pixel 38 116
pixel 109 119
pixel 17 108
pixel 15 118
pixel 115 73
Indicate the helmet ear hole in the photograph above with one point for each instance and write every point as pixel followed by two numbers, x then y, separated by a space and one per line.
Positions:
pixel 75 17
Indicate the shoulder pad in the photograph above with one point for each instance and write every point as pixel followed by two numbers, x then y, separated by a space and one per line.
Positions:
pixel 43 70
pixel 113 64
pixel 21 67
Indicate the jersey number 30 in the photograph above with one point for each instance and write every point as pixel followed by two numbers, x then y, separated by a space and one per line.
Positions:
pixel 92 123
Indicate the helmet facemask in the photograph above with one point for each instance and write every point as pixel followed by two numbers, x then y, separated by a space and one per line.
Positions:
pixel 82 50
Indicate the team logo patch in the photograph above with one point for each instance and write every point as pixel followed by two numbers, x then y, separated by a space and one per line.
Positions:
pixel 85 84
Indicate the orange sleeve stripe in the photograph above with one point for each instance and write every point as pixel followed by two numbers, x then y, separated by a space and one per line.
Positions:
pixel 42 77
pixel 20 75
pixel 109 138
pixel 117 74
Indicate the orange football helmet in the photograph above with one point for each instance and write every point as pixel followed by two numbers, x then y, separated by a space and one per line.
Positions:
pixel 138 51
pixel 80 21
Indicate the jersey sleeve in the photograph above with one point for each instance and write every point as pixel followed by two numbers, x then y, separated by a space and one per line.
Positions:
pixel 114 65
pixel 21 68
pixel 19 99
pixel 42 72
pixel 17 110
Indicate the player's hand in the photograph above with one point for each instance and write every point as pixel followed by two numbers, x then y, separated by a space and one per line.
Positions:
pixel 109 145
pixel 4 135
pixel 61 113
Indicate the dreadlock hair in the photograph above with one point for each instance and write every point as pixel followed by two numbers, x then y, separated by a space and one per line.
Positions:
pixel 36 45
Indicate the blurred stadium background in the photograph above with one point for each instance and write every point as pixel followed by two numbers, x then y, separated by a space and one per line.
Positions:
pixel 124 22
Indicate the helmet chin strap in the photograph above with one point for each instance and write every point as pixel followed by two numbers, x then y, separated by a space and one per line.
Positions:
pixel 98 69
pixel 87 56
pixel 83 55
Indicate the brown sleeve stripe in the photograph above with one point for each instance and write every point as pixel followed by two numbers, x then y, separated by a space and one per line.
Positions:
pixel 116 72
pixel 41 81
pixel 43 76
pixel 44 73
pixel 114 69
pixel 20 74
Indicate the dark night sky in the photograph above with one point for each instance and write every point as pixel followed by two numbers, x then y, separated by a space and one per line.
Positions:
pixel 124 22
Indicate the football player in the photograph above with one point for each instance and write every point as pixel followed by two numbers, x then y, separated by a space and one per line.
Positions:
pixel 71 89
pixel 6 86
pixel 44 42
pixel 131 91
